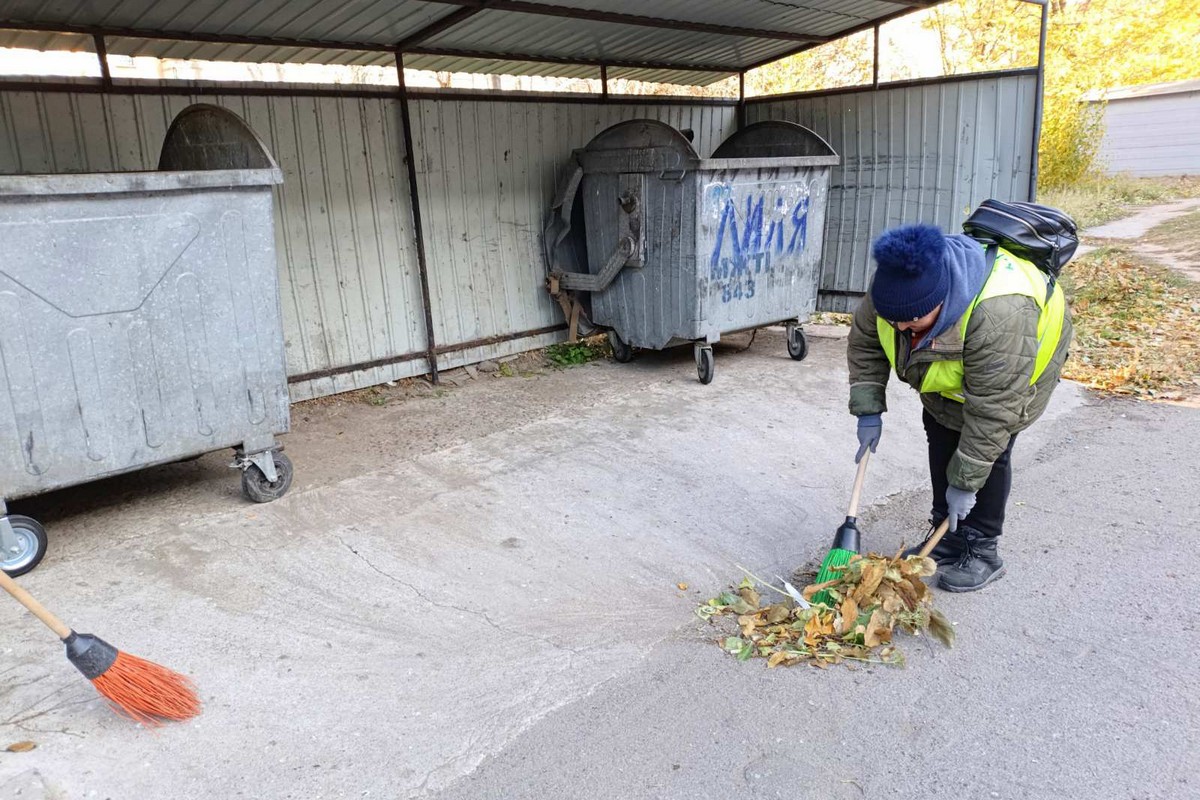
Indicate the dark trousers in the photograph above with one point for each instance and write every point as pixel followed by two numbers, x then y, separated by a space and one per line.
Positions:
pixel 987 517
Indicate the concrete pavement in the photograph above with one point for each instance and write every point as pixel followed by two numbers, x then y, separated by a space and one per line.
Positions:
pixel 473 594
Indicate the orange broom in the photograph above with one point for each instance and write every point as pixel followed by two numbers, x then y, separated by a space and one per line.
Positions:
pixel 139 689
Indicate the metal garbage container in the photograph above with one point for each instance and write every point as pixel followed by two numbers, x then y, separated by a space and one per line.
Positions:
pixel 663 248
pixel 140 321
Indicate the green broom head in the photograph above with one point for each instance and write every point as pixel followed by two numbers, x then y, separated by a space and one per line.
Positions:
pixel 845 547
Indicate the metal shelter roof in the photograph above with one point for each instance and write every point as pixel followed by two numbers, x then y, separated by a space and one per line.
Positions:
pixel 674 41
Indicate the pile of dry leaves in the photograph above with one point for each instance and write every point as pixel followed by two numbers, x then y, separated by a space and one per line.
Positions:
pixel 872 596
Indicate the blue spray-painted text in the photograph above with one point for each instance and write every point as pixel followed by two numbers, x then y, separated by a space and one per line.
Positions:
pixel 743 249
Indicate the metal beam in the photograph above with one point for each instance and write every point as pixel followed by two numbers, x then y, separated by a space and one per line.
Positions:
pixel 741 101
pixel 208 38
pixel 1037 101
pixel 418 232
pixel 726 69
pixel 102 57
pixel 545 10
pixel 439 26
pixel 875 59
pixel 866 87
pixel 843 34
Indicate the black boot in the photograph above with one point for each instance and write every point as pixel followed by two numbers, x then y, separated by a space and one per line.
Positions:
pixel 978 565
pixel 948 550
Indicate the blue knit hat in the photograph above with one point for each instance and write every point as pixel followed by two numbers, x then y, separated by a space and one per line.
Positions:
pixel 911 277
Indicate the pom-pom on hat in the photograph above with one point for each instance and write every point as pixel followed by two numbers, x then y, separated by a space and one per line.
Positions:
pixel 911 277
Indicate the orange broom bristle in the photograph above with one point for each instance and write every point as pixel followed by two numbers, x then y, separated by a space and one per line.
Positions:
pixel 147 692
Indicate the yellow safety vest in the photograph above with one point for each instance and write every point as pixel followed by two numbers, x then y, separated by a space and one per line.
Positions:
pixel 1010 275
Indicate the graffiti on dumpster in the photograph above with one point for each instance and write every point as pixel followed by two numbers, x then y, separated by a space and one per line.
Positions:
pixel 761 228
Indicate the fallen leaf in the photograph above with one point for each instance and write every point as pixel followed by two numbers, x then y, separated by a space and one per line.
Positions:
pixel 750 596
pixel 940 628
pixel 778 613
pixel 849 615
pixel 682 587
pixel 21 747
pixel 872 574
pixel 817 626
pixel 878 631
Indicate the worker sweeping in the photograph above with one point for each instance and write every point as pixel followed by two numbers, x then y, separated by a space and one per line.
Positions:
pixel 982 335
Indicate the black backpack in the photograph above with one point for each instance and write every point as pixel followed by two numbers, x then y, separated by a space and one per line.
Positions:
pixel 1043 235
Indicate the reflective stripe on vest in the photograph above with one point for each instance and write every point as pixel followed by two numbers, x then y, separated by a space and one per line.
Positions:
pixel 1010 275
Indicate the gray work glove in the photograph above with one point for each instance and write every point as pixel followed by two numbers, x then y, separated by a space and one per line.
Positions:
pixel 870 428
pixel 959 503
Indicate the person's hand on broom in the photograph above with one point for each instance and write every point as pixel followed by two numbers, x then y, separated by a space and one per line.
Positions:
pixel 870 428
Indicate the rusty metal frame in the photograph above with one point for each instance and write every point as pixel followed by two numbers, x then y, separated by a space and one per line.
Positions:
pixel 418 232
pixel 909 8
pixel 421 354
pixel 1038 100
pixel 866 87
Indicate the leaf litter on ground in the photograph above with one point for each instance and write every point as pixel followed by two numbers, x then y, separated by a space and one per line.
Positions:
pixel 871 597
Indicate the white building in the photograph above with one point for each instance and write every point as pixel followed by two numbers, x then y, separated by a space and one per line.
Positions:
pixel 1152 129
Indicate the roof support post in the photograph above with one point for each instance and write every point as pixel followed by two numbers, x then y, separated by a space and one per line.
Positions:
pixel 875 60
pixel 418 232
pixel 1037 102
pixel 741 105
pixel 604 83
pixel 102 57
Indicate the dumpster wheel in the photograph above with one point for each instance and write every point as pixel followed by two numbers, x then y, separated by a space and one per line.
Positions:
pixel 259 489
pixel 706 365
pixel 622 351
pixel 31 546
pixel 797 342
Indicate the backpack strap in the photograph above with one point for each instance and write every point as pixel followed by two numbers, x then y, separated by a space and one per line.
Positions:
pixel 990 255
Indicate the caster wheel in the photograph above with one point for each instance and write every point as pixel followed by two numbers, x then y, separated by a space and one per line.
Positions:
pixel 797 343
pixel 706 366
pixel 30 547
pixel 259 489
pixel 622 351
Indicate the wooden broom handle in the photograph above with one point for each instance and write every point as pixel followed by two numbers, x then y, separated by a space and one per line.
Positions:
pixel 858 484
pixel 935 538
pixel 37 609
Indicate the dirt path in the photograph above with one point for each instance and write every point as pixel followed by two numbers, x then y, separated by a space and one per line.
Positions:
pixel 1148 232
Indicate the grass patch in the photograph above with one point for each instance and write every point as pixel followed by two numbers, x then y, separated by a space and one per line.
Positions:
pixel 1102 199
pixel 831 318
pixel 1137 326
pixel 569 354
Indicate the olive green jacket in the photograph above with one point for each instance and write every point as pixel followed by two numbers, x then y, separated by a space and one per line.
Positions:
pixel 998 361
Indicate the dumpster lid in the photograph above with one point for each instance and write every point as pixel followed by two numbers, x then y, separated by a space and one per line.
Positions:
pixel 648 145
pixel 206 147
pixel 204 137
pixel 773 139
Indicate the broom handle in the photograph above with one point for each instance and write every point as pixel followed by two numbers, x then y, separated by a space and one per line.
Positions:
pixel 935 538
pixel 37 609
pixel 858 484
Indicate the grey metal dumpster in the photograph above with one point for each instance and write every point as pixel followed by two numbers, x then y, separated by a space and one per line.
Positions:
pixel 680 249
pixel 140 321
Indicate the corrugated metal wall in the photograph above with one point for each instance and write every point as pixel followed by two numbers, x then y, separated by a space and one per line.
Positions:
pixel 927 152
pixel 1155 135
pixel 348 270
pixel 487 173
pixel 348 276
